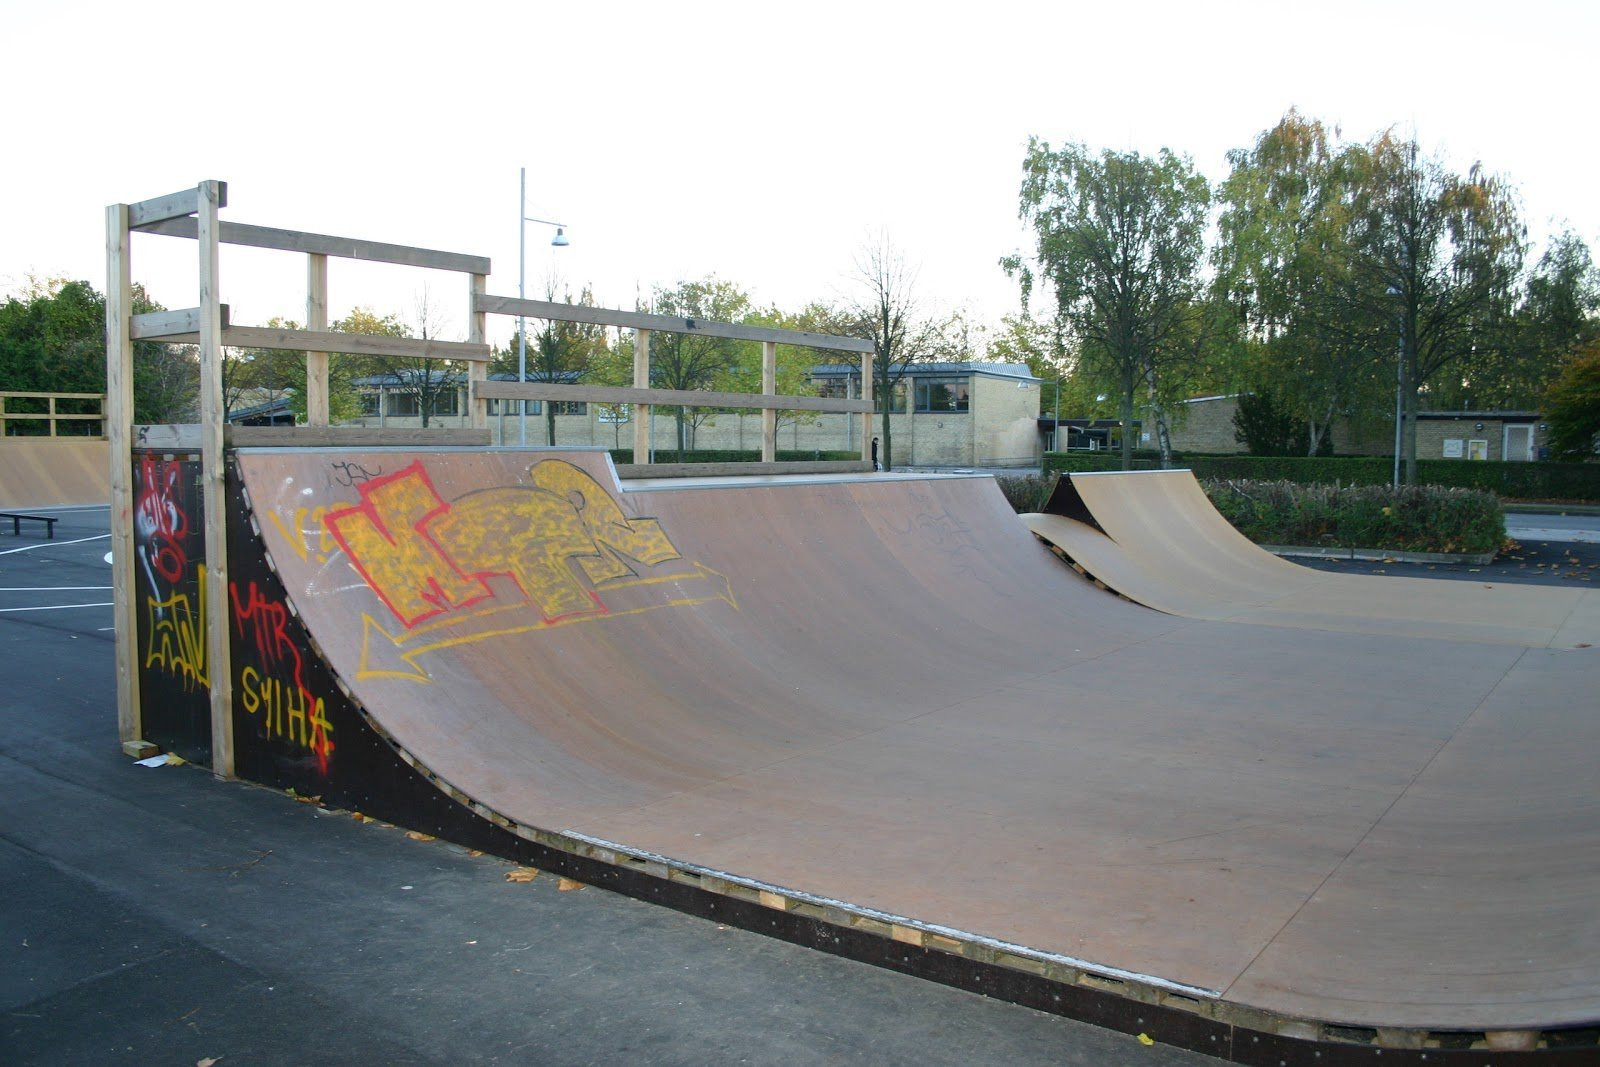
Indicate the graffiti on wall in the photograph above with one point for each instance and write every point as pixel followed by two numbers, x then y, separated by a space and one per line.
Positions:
pixel 160 524
pixel 504 560
pixel 271 674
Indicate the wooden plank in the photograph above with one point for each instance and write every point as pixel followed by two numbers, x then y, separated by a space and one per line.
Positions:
pixel 317 322
pixel 478 372
pixel 179 205
pixel 213 485
pixel 340 436
pixel 769 387
pixel 866 396
pixel 118 409
pixel 728 470
pixel 641 412
pixel 640 320
pixel 57 396
pixel 695 398
pixel 159 325
pixel 238 233
pixel 334 341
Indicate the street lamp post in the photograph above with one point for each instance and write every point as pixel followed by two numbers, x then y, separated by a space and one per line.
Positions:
pixel 558 241
pixel 1399 390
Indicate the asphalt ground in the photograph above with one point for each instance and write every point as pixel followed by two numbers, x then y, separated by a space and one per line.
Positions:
pixel 160 916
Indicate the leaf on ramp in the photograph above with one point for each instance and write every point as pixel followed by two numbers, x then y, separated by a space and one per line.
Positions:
pixel 522 874
pixel 567 885
pixel 418 835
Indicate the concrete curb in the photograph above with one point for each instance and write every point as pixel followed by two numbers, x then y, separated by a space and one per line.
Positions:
pixel 1378 555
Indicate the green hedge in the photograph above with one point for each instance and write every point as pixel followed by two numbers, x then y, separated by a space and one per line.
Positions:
pixel 1577 482
pixel 734 455
pixel 1412 518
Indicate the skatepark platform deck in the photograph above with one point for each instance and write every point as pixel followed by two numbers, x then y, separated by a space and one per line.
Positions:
pixel 880 703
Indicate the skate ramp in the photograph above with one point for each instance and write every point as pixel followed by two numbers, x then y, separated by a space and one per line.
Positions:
pixel 38 472
pixel 1155 538
pixel 884 692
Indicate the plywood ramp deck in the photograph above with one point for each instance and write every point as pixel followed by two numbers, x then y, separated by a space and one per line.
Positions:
pixel 888 693
pixel 1157 540
pixel 37 472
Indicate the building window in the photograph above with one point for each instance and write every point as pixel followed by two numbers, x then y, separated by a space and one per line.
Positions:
pixel 404 405
pixel 370 403
pixel 569 407
pixel 833 388
pixel 942 394
pixel 849 388
pixel 509 407
pixel 446 402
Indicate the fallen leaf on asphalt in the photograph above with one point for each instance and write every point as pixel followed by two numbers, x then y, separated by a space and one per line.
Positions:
pixel 1146 1039
pixel 567 885
pixel 522 874
pixel 418 835
pixel 209 1061
pixel 474 852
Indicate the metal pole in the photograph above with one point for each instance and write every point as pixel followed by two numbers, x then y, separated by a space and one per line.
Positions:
pixel 522 294
pixel 1055 434
pixel 1399 402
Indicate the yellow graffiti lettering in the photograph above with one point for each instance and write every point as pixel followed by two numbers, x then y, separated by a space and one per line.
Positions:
pixel 177 637
pixel 286 711
pixel 387 539
pixel 306 522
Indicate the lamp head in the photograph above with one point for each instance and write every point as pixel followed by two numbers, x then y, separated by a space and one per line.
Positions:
pixel 560 239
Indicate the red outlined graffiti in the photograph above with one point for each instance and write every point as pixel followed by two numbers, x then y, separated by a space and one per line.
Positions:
pixel 274 686
pixel 475 567
pixel 159 523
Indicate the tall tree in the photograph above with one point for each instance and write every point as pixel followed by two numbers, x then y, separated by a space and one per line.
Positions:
pixel 1119 239
pixel 1284 264
pixel 52 340
pixel 1444 250
pixel 696 360
pixel 886 310
pixel 561 351
pixel 1572 405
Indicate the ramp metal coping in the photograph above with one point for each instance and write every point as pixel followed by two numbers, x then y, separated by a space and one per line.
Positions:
pixel 778 897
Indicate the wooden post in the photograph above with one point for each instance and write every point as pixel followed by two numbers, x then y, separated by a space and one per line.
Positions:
pixel 118 422
pixel 866 416
pixel 769 387
pixel 213 484
pixel 477 370
pixel 641 380
pixel 316 319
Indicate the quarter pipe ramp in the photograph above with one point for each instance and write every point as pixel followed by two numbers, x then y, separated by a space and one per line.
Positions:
pixel 881 698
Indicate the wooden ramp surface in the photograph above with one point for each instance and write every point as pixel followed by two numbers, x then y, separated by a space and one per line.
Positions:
pixel 1157 540
pixel 37 472
pixel 886 692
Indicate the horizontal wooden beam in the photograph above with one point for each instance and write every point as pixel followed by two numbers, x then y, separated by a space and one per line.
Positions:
pixel 238 233
pixel 172 206
pixel 185 436
pixel 355 436
pixel 726 470
pixel 156 325
pixel 370 344
pixel 695 398
pixel 54 396
pixel 639 320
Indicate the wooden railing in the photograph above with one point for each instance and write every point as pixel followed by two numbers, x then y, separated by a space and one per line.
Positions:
pixel 50 414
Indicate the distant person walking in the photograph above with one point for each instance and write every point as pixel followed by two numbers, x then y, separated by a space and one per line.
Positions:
pixel 875 464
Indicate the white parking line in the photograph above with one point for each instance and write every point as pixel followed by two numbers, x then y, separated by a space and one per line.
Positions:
pixel 52 544
pixel 58 607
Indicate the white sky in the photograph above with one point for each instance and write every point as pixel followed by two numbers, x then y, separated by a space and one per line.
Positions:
pixel 764 143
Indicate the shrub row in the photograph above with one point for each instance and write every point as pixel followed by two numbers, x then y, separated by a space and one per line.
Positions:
pixel 1575 482
pixel 1412 518
pixel 1409 519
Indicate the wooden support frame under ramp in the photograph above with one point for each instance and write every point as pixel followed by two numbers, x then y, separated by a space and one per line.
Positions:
pixel 192 214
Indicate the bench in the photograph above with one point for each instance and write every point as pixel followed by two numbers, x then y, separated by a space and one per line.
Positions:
pixel 16 522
